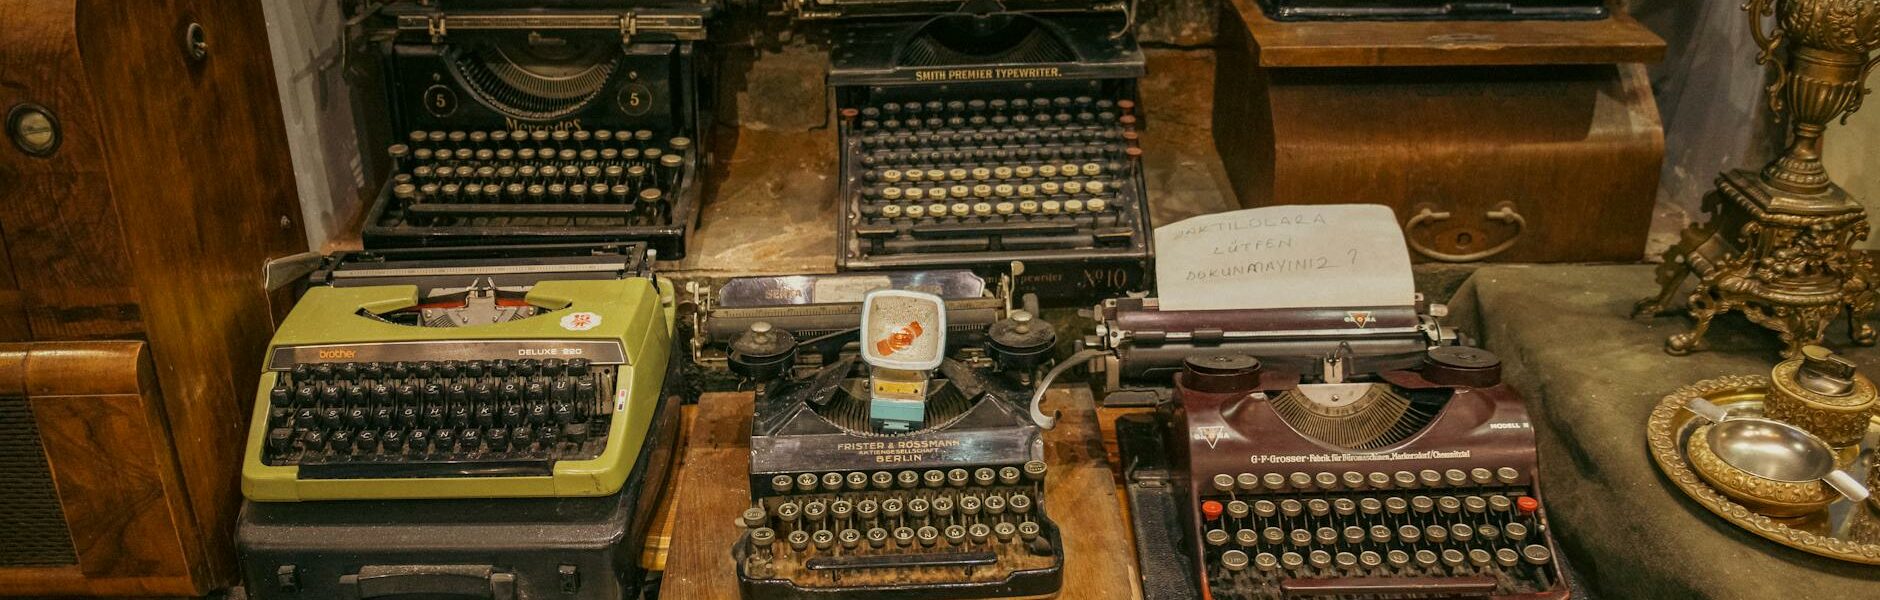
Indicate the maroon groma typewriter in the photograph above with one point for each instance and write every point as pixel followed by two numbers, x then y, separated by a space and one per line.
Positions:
pixel 1343 475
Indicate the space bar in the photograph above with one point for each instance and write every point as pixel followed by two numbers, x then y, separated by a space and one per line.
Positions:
pixel 1462 587
pixel 880 561
pixel 991 229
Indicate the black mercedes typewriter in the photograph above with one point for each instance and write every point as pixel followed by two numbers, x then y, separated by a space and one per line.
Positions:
pixel 983 134
pixel 891 452
pixel 542 122
pixel 1354 10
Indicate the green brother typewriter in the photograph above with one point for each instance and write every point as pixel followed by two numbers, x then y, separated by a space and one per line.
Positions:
pixel 402 375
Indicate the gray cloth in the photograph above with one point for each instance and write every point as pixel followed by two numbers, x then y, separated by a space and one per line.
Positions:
pixel 1590 377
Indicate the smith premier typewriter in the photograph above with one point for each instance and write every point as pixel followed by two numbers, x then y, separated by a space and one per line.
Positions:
pixel 1363 454
pixel 891 455
pixel 1316 10
pixel 984 137
pixel 502 373
pixel 543 122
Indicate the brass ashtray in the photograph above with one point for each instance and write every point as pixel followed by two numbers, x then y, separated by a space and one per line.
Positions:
pixel 1842 529
pixel 1771 467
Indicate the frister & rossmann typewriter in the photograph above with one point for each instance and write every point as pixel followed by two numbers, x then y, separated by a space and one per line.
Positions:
pixel 519 374
pixel 1325 453
pixel 891 454
pixel 527 122
pixel 977 134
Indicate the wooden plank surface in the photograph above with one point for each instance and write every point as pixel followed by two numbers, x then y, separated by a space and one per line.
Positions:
pixel 1617 39
pixel 711 491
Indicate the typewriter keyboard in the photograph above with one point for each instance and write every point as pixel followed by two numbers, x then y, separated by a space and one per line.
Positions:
pixel 833 530
pixel 1407 534
pixel 437 418
pixel 1008 174
pixel 535 178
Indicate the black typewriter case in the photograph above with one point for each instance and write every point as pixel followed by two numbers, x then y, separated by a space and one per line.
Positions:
pixel 502 549
pixel 660 84
pixel 890 61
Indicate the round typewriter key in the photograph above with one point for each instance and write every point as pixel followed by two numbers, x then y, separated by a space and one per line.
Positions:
pixel 877 537
pixel 970 505
pixel 1292 561
pixel 1047 170
pixel 1481 476
pixel 1223 482
pixel 1237 509
pixel 868 509
pixel 1028 531
pixel 881 480
pixel 1370 506
pixel 1527 505
pixel 1246 538
pixel 1409 534
pixel 1429 478
pixel 1291 507
pixel 1326 535
pixel 995 505
pixel 763 537
pixel 907 479
pixel 1500 503
pixel 1507 475
pixel 1448 504
pixel 806 482
pixel 1234 560
pixel 1453 557
pixel 917 507
pixel 1034 470
pixel 1474 504
pixel 857 480
pixel 1300 481
pixel 1273 535
pixel 1300 537
pixel 1264 508
pixel 982 209
pixel 1004 531
pixel 892 211
pixel 642 135
pixel 679 144
pixel 1320 559
pixel 1422 504
pixel 1487 531
pixel 1426 558
pixel 1461 532
pixel 824 539
pixel 1074 206
pixel 1020 503
pixel 799 540
pixel 841 509
pixel 942 506
pixel 959 191
pixel 1380 534
pixel 754 517
pixel 1536 554
pixel 904 536
pixel 1353 534
pixel 850 538
pixel 1345 560
pixel 978 533
pixel 1506 557
pixel 1273 481
pixel 956 477
pixel 1049 188
pixel 1455 478
pixel 1514 531
pixel 1405 479
pixel 1436 533
pixel 1344 507
pixel 1397 558
pixel 1318 507
pixel 1005 208
pixel 927 535
pixel 1216 537
pixel 815 510
pixel 1247 481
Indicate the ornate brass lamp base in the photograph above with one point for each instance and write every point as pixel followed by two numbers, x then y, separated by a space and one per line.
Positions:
pixel 1790 267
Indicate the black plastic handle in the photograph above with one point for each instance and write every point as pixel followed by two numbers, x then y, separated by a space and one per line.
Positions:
pixel 464 581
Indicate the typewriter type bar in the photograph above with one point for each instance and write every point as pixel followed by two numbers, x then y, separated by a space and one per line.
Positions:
pixel 505 373
pixel 894 457
pixel 525 126
pixel 1416 482
pixel 954 156
pixel 1433 10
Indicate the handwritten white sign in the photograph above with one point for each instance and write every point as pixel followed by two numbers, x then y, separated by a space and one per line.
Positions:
pixel 1337 255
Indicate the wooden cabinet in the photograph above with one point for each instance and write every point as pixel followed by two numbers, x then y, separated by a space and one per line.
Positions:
pixel 1493 140
pixel 148 218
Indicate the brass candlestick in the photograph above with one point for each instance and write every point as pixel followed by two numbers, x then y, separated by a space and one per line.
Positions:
pixel 1777 247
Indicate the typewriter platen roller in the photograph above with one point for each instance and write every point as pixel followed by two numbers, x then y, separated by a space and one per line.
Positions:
pixel 891 453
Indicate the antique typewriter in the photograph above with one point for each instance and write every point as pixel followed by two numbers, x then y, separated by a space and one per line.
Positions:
pixel 1299 454
pixel 543 122
pixel 979 134
pixel 505 372
pixel 1327 10
pixel 891 456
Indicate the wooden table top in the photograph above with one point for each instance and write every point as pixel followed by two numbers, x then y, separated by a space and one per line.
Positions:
pixel 709 490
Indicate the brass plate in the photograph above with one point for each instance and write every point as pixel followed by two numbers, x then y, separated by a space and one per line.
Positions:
pixel 1846 530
